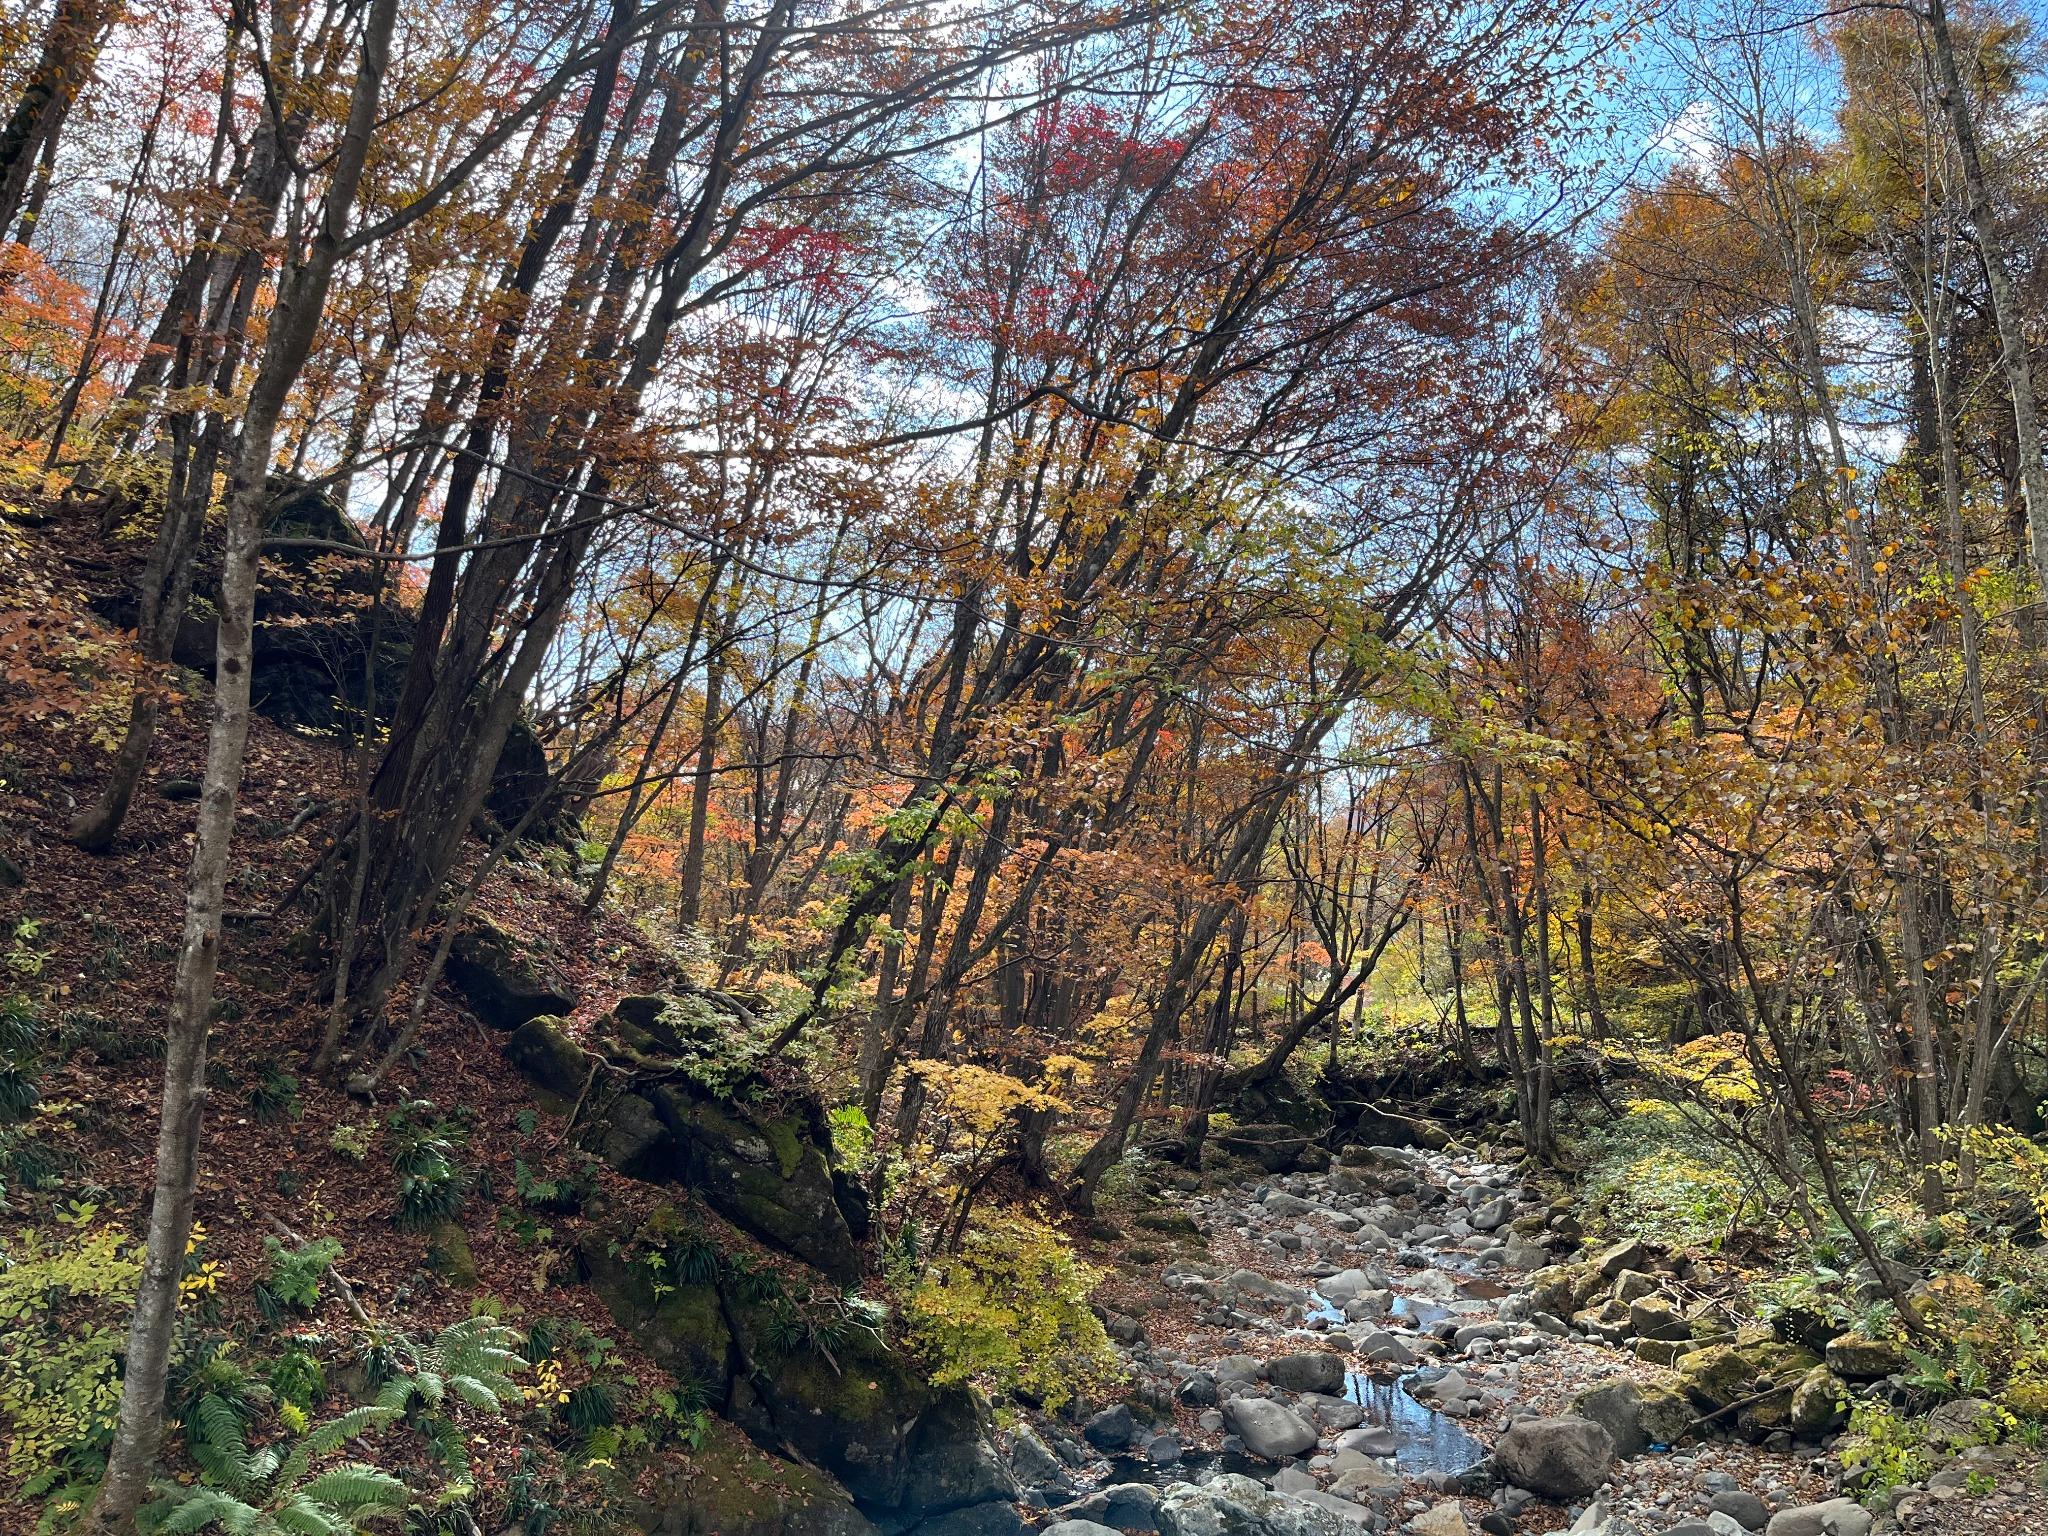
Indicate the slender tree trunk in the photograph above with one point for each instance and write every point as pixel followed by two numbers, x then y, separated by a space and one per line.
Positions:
pixel 70 48
pixel 2013 356
pixel 301 299
pixel 690 907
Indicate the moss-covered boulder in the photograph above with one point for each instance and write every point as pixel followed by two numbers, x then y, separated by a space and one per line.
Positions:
pixel 758 1154
pixel 544 1054
pixel 906 1451
pixel 500 978
pixel 681 1327
pixel 844 1402
pixel 1748 1385
pixel 1387 1128
pixel 1551 1290
pixel 1820 1404
pixel 731 1487
pixel 1274 1147
pixel 1635 1416
pixel 766 1169
pixel 1855 1357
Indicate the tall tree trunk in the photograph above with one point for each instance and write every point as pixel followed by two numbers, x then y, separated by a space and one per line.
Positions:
pixel 302 296
pixel 2013 356
pixel 70 48
pixel 212 353
pixel 690 906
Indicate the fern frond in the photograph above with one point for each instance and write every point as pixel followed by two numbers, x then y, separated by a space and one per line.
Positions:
pixel 354 1487
pixel 330 1435
pixel 209 1507
pixel 223 1469
pixel 215 1422
pixel 295 1466
pixel 478 1394
pixel 300 1516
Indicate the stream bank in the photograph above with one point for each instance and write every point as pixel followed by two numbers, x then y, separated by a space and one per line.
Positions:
pixel 1412 1340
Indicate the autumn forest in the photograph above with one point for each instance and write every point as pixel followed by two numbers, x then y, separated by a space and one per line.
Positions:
pixel 823 767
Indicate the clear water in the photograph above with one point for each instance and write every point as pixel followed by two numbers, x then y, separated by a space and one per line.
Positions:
pixel 1417 1313
pixel 1424 1440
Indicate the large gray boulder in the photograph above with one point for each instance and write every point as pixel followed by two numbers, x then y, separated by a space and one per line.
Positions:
pixel 1036 1466
pixel 1113 1429
pixel 1121 1506
pixel 1268 1429
pixel 1315 1371
pixel 1635 1417
pixel 1562 1458
pixel 1744 1508
pixel 1341 1287
pixel 1834 1517
pixel 1233 1505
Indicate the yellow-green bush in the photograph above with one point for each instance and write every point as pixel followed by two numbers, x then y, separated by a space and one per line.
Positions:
pixel 1010 1313
pixel 62 1304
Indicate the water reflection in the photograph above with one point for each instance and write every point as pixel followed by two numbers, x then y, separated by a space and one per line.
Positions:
pixel 1424 1440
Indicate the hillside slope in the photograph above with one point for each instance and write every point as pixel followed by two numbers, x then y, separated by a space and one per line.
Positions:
pixel 460 1186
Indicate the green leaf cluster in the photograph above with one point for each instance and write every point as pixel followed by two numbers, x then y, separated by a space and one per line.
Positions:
pixel 1010 1312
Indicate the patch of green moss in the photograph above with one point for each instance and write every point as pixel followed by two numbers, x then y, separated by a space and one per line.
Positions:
pixel 788 1147
pixel 732 1486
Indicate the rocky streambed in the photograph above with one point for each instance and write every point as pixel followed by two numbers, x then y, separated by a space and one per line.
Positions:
pixel 1410 1341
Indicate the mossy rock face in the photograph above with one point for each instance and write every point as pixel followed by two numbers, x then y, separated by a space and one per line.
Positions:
pixel 500 980
pixel 766 1166
pixel 1589 1281
pixel 1551 1290
pixel 683 1331
pixel 1819 1404
pixel 1761 1420
pixel 1775 1361
pixel 765 1171
pixel 733 1488
pixel 629 1135
pixel 1170 1220
pixel 1857 1358
pixel 1714 1377
pixel 549 1059
pixel 905 1449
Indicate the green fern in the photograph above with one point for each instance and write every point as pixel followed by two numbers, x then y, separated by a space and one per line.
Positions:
pixel 473 1359
pixel 277 1491
pixel 353 1488
pixel 204 1507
